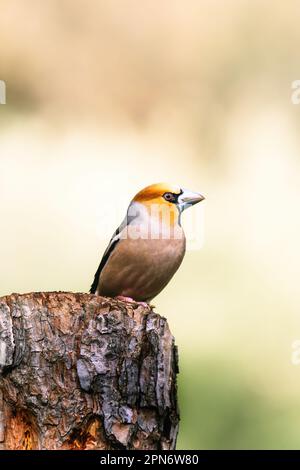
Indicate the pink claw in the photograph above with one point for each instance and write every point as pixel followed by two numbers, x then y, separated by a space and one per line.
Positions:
pixel 129 299
pixel 125 299
pixel 144 304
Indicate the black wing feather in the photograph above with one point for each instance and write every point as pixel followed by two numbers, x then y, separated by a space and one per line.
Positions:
pixel 112 245
pixel 103 262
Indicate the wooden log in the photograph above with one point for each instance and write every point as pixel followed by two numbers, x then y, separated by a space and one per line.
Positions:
pixel 79 371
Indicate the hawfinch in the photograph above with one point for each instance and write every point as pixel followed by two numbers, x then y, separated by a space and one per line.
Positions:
pixel 147 249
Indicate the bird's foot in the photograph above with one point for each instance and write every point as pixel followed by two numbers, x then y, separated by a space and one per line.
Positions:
pixel 144 304
pixel 131 300
pixel 125 299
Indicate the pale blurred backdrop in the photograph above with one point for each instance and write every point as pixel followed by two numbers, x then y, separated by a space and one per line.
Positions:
pixel 105 97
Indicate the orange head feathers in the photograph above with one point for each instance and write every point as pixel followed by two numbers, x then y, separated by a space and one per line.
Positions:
pixel 169 200
pixel 156 193
pixel 167 195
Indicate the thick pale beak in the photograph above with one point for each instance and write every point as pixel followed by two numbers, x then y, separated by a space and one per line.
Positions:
pixel 189 198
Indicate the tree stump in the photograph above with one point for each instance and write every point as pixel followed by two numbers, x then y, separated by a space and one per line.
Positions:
pixel 79 371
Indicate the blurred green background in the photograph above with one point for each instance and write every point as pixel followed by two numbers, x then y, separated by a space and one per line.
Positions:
pixel 105 97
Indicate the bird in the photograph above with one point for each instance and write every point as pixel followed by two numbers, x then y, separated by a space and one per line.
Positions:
pixel 148 247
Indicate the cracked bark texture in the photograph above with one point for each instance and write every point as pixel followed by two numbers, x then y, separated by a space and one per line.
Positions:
pixel 78 371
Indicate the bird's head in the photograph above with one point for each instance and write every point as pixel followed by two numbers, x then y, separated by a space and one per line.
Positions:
pixel 161 205
pixel 164 194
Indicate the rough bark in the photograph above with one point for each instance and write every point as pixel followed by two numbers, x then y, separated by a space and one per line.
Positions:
pixel 78 371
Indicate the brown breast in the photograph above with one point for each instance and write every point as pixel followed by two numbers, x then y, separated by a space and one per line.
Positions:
pixel 140 268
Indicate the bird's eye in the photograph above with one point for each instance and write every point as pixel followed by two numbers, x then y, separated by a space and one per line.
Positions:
pixel 169 197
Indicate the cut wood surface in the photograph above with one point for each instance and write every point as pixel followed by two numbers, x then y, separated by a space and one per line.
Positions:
pixel 79 371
